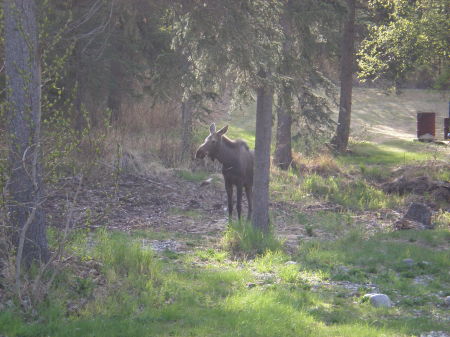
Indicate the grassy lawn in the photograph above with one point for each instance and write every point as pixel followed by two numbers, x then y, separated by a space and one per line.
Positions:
pixel 205 293
pixel 393 152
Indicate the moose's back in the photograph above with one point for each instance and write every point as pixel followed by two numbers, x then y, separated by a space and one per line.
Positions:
pixel 238 166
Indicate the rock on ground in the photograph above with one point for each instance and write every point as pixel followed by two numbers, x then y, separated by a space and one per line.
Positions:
pixel 379 300
pixel 447 301
pixel 418 216
pixel 435 334
pixel 420 213
pixel 408 262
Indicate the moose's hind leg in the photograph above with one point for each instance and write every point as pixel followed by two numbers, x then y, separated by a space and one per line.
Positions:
pixel 229 189
pixel 239 200
pixel 248 193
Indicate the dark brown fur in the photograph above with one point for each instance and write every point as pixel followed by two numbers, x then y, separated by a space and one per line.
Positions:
pixel 237 165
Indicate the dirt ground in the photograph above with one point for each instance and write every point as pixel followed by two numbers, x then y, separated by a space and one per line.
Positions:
pixel 170 204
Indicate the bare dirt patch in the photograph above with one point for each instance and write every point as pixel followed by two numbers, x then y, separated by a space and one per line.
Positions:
pixel 167 203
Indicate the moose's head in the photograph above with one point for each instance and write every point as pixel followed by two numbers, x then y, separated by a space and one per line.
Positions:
pixel 212 143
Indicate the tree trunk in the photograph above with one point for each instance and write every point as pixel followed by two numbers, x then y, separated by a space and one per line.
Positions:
pixel 283 151
pixel 261 175
pixel 114 93
pixel 186 139
pixel 116 76
pixel 80 120
pixel 340 140
pixel 24 113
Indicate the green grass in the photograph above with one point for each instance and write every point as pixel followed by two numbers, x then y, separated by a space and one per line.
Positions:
pixel 354 194
pixel 242 239
pixel 193 176
pixel 203 293
pixel 395 152
pixel 236 132
pixel 246 285
pixel 379 260
pixel 241 126
pixel 191 213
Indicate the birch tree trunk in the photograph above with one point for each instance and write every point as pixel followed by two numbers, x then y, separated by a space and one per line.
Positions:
pixel 23 84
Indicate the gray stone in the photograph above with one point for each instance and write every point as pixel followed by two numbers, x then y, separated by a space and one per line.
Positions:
pixel 434 334
pixel 423 280
pixel 290 262
pixel 447 301
pixel 343 269
pixel 420 213
pixel 408 262
pixel 379 300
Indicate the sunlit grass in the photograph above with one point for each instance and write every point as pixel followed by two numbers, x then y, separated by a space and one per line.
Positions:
pixel 192 176
pixel 353 194
pixel 398 152
pixel 236 132
pixel 206 294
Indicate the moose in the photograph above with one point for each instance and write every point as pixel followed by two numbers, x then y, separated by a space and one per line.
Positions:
pixel 237 165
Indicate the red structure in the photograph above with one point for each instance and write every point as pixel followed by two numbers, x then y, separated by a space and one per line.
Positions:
pixel 426 124
pixel 446 128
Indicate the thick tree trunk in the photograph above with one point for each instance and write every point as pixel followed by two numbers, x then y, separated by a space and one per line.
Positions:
pixel 283 151
pixel 186 138
pixel 261 175
pixel 24 112
pixel 340 140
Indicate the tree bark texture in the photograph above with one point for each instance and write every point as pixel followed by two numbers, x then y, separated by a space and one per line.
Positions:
pixel 283 149
pixel 340 140
pixel 261 175
pixel 23 85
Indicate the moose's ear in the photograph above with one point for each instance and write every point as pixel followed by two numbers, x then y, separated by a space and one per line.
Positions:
pixel 223 131
pixel 212 128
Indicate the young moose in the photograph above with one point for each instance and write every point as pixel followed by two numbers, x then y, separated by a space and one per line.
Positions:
pixel 237 165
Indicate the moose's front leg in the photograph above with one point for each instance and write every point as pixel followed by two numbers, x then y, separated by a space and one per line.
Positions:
pixel 229 189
